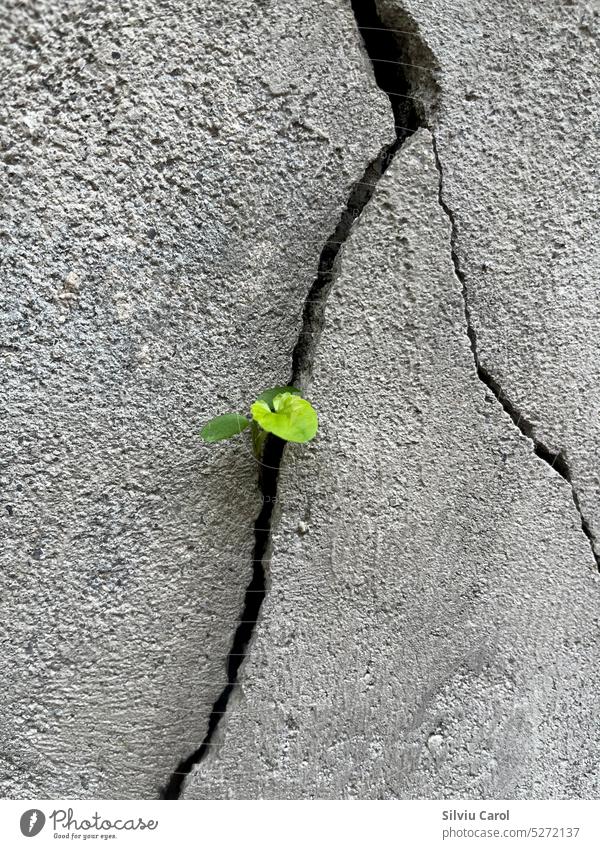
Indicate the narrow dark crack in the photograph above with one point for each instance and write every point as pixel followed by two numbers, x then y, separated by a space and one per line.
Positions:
pixel 255 593
pixel 401 42
pixel 556 460
pixel 384 50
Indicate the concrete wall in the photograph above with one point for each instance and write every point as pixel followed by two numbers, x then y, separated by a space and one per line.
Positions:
pixel 172 176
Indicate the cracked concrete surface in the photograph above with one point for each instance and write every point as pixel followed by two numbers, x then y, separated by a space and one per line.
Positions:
pixel 516 124
pixel 431 622
pixel 170 179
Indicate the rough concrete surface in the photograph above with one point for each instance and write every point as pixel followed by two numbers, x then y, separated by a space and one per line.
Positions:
pixel 516 124
pixel 171 172
pixel 431 622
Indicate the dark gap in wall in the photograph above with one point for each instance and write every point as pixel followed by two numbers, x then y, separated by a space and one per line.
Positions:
pixel 385 51
pixel 556 460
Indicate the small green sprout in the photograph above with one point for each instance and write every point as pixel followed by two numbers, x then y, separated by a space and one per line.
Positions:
pixel 280 411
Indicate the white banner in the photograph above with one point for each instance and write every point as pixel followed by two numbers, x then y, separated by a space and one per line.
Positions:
pixel 278 825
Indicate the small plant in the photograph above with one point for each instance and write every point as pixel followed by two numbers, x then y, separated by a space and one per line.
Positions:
pixel 280 411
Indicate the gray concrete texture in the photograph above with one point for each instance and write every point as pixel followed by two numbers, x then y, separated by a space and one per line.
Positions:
pixel 171 172
pixel 431 623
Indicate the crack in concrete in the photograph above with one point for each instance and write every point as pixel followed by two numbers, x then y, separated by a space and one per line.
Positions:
pixel 392 79
pixel 253 599
pixel 556 460
pixel 412 46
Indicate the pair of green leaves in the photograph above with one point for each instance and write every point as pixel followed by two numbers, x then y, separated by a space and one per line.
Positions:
pixel 280 410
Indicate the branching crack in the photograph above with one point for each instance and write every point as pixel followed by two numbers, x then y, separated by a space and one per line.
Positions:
pixel 383 48
pixel 404 69
pixel 556 460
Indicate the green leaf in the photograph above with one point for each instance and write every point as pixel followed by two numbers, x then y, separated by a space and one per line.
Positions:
pixel 269 395
pixel 223 427
pixel 292 419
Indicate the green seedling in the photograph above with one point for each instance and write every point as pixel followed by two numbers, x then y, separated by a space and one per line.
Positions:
pixel 280 411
